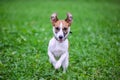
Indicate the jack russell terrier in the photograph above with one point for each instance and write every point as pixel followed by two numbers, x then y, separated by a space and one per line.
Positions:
pixel 58 45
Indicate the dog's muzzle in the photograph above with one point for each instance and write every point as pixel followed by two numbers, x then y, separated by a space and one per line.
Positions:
pixel 60 38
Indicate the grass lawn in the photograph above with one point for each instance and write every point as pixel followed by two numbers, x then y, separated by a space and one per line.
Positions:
pixel 25 30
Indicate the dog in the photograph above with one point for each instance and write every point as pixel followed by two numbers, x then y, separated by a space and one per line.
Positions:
pixel 58 45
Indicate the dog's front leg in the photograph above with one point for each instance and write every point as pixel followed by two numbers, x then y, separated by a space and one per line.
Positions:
pixel 51 58
pixel 59 62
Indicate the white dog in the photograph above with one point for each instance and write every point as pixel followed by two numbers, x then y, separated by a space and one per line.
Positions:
pixel 58 45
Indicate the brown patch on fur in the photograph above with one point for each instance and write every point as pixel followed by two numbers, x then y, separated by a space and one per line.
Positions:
pixel 64 23
pixel 56 22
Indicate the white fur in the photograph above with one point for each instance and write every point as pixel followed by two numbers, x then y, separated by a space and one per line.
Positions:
pixel 60 32
pixel 58 50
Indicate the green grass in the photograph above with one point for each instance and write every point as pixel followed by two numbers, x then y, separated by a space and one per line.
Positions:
pixel 25 30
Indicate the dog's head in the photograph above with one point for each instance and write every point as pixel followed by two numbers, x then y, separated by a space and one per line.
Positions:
pixel 61 28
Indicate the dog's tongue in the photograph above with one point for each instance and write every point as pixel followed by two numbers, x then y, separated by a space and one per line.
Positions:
pixel 60 40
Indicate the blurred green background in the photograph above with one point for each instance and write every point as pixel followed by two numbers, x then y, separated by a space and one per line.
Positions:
pixel 25 31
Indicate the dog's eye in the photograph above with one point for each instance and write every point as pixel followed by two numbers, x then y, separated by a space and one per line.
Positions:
pixel 65 29
pixel 57 28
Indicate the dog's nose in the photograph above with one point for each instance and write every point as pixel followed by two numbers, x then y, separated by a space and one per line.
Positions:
pixel 60 37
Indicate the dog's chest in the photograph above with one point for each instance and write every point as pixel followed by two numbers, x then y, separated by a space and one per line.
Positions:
pixel 58 50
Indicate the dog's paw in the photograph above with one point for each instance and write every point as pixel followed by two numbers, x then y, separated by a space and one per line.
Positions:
pixel 57 66
pixel 54 64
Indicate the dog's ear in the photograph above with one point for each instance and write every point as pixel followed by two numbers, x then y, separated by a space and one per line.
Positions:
pixel 69 18
pixel 54 18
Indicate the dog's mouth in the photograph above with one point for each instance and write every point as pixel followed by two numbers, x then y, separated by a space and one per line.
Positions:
pixel 60 40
